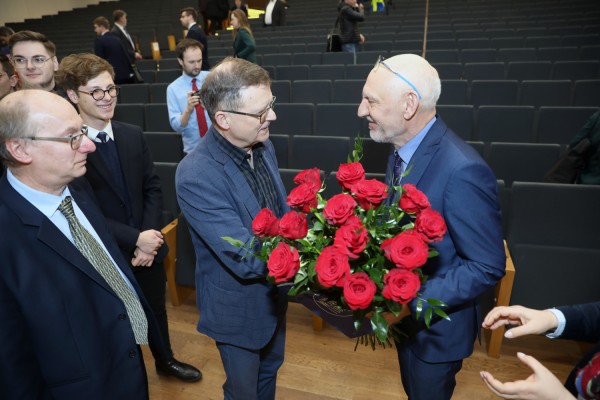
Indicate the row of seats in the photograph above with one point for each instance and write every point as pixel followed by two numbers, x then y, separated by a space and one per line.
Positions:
pixel 519 124
pixel 517 70
pixel 315 54
pixel 526 162
pixel 323 90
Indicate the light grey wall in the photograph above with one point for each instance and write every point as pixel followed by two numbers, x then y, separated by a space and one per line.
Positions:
pixel 19 10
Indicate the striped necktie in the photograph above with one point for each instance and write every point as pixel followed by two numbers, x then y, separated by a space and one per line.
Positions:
pixel 95 254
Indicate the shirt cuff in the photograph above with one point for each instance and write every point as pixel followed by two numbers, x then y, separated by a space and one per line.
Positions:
pixel 561 323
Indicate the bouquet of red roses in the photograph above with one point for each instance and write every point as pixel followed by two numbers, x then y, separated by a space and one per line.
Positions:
pixel 353 249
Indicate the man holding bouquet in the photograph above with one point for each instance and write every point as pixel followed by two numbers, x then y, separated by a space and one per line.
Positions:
pixel 398 101
pixel 222 184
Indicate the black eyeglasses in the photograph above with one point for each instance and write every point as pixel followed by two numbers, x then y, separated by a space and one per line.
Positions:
pixel 262 116
pixel 99 94
pixel 398 74
pixel 74 141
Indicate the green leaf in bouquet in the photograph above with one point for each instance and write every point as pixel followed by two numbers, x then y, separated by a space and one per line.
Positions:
pixel 436 303
pixel 357 152
pixel 428 316
pixel 432 252
pixel 375 274
pixel 394 307
pixel 234 242
pixel 379 325
pixel 441 313
pixel 419 307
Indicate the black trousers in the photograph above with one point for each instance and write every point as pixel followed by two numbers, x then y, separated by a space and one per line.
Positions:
pixel 153 281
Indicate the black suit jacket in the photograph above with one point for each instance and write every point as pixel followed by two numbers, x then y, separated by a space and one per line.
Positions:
pixel 583 323
pixel 110 47
pixel 278 14
pixel 129 49
pixel 195 32
pixel 64 332
pixel 143 185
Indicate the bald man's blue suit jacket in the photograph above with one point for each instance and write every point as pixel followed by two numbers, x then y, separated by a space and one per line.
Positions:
pixel 461 186
pixel 64 333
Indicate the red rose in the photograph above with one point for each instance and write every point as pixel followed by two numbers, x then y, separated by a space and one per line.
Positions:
pixel 303 197
pixel 311 177
pixel 412 199
pixel 283 262
pixel 351 239
pixel 359 291
pixel 293 225
pixel 401 285
pixel 332 267
pixel 430 224
pixel 348 174
pixel 370 193
pixel 339 208
pixel 265 223
pixel 407 250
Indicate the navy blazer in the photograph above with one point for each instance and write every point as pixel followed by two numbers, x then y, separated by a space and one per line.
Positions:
pixel 461 186
pixel 64 332
pixel 143 186
pixel 237 305
pixel 129 49
pixel 109 47
pixel 195 32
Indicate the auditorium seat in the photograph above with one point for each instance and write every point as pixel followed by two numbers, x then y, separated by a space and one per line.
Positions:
pixel 494 92
pixel 560 124
pixel 293 119
pixel 505 124
pixel 337 120
pixel 546 93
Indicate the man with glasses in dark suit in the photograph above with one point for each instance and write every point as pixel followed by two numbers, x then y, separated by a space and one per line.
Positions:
pixel 72 314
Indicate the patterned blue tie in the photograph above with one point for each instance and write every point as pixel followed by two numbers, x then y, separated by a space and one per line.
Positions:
pixel 398 170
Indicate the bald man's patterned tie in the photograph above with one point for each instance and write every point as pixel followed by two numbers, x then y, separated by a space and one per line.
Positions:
pixel 95 254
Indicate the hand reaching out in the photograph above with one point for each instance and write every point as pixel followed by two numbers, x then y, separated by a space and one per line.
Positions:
pixel 526 320
pixel 540 385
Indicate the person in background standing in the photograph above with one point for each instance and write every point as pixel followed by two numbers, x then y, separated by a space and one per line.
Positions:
pixel 5 33
pixel 239 5
pixel 243 41
pixel 188 17
pixel 350 14
pixel 109 47
pixel 186 114
pixel 275 13
pixel 120 20
pixel 216 11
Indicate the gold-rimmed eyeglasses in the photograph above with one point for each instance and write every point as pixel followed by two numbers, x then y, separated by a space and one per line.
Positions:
pixel 99 94
pixel 380 61
pixel 262 116
pixel 36 61
pixel 74 141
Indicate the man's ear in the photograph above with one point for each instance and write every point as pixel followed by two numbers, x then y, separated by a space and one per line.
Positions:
pixel 17 149
pixel 72 96
pixel 221 120
pixel 411 105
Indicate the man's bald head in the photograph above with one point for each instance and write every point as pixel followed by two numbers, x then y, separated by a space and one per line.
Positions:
pixel 418 72
pixel 23 113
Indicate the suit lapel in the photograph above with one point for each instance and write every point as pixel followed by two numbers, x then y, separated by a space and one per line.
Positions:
pixel 425 152
pixel 50 235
